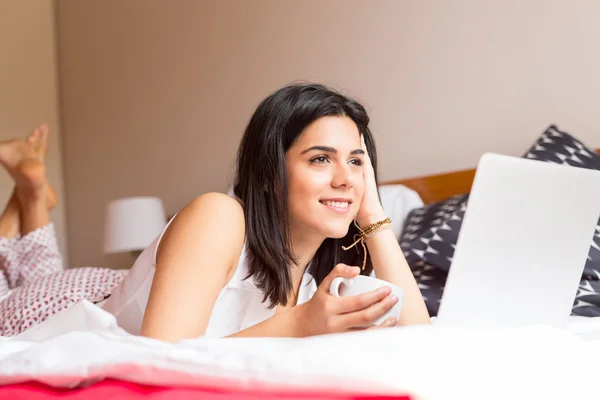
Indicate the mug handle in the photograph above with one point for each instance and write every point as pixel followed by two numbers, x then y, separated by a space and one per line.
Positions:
pixel 334 289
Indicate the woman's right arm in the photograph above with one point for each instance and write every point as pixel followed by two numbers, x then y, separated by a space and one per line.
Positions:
pixel 324 313
pixel 199 248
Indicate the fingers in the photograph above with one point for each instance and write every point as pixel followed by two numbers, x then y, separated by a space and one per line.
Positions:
pixel 364 146
pixel 388 323
pixel 343 270
pixel 370 314
pixel 344 305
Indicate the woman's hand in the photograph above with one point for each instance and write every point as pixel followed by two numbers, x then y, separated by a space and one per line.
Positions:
pixel 325 313
pixel 370 210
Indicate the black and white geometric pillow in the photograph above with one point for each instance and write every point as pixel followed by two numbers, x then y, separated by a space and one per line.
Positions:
pixel 430 233
pixel 559 147
pixel 431 281
pixel 587 301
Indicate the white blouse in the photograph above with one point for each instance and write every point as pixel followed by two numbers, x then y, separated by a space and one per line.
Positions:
pixel 238 306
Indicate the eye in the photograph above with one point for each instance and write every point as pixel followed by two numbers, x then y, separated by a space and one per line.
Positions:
pixel 319 160
pixel 356 161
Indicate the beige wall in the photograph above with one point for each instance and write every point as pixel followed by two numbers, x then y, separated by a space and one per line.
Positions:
pixel 155 96
pixel 28 89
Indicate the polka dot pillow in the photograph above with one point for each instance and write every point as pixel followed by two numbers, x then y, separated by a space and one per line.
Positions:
pixel 36 301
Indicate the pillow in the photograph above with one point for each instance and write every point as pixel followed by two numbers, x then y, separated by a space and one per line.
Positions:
pixel 430 233
pixel 398 201
pixel 587 300
pixel 34 302
pixel 431 282
pixel 559 147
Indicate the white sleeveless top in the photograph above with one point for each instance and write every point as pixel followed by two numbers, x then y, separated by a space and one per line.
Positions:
pixel 238 306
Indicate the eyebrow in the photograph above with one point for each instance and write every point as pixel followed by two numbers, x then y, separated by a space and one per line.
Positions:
pixel 328 149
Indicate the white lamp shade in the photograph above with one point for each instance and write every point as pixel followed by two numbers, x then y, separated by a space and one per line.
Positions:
pixel 133 223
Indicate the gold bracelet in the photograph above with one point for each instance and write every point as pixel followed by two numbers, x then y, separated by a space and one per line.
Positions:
pixel 376 225
pixel 366 233
pixel 375 231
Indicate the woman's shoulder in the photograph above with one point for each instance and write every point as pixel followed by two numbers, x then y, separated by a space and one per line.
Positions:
pixel 217 211
pixel 212 218
pixel 216 202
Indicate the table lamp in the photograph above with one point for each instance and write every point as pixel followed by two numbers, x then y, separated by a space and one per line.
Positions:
pixel 132 223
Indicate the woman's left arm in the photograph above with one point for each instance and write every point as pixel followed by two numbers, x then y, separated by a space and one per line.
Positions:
pixel 391 266
pixel 387 258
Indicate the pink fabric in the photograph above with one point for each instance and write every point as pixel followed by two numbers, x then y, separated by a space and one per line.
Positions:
pixel 34 286
pixel 5 251
pixel 116 390
pixel 24 259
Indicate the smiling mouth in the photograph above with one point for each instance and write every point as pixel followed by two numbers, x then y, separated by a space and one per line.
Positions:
pixel 339 206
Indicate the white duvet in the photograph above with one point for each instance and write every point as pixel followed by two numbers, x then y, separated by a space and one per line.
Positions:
pixel 83 344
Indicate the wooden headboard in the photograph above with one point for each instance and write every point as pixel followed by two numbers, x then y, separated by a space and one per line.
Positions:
pixel 434 188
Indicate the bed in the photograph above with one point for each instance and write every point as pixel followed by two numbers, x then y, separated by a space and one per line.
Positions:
pixel 88 351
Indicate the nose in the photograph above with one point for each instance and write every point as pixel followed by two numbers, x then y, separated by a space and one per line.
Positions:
pixel 342 176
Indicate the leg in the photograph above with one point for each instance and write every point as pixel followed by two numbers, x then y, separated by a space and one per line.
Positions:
pixel 33 210
pixel 24 161
pixel 9 230
pixel 10 224
pixel 38 140
pixel 36 253
pixel 10 219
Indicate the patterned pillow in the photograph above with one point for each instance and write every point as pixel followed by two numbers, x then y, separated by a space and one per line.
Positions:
pixel 430 233
pixel 559 147
pixel 587 301
pixel 431 281
pixel 34 302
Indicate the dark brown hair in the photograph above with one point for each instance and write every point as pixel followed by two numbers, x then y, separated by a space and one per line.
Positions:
pixel 261 184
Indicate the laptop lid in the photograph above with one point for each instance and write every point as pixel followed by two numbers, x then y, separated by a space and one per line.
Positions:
pixel 523 243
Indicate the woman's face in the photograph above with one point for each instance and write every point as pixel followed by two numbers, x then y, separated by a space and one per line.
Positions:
pixel 325 177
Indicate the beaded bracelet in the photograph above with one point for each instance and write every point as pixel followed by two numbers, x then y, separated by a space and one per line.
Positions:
pixel 366 233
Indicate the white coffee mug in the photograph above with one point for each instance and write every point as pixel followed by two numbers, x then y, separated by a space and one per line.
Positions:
pixel 361 284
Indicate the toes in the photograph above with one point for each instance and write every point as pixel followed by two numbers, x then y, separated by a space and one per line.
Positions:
pixel 33 137
pixel 44 132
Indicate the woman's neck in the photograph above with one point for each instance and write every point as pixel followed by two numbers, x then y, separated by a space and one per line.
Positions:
pixel 304 248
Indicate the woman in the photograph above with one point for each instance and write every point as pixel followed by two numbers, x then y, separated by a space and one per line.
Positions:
pixel 260 263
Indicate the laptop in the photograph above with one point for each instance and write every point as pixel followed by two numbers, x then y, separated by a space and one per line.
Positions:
pixel 523 244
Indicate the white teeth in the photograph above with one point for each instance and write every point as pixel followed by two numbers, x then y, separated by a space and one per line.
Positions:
pixel 336 204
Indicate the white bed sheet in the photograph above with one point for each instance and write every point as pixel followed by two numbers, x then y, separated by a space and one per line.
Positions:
pixel 83 344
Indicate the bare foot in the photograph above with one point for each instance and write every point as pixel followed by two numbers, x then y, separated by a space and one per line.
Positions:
pixel 38 140
pixel 24 165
